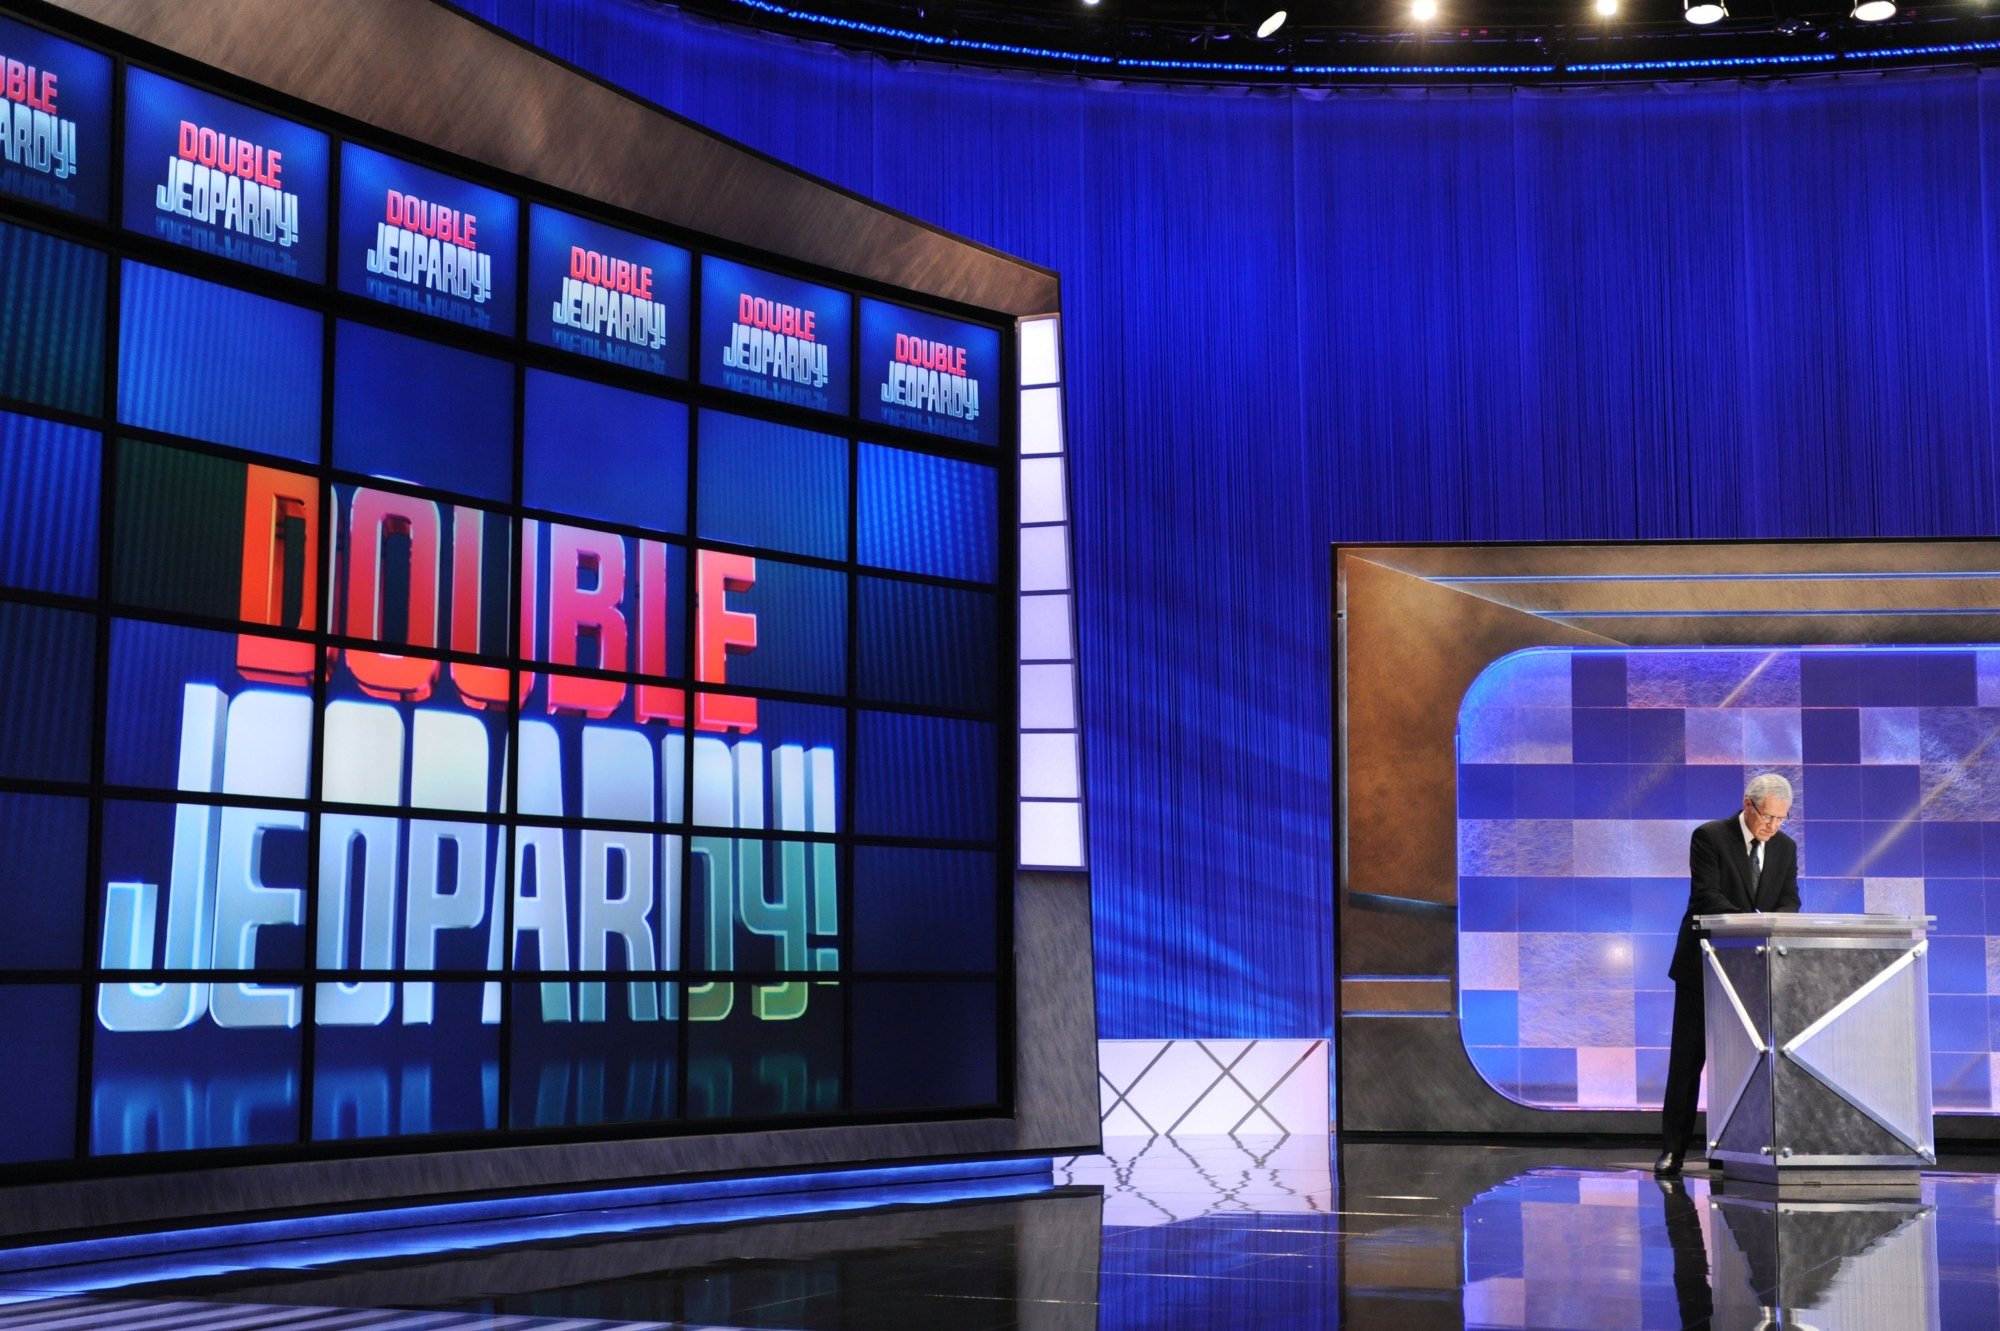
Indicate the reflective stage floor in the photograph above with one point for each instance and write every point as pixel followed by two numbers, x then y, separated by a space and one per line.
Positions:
pixel 1164 1233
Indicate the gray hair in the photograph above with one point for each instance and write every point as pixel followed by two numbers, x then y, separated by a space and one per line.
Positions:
pixel 1767 785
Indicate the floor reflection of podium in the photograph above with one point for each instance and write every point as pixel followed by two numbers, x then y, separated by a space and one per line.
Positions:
pixel 1822 1264
pixel 1819 1052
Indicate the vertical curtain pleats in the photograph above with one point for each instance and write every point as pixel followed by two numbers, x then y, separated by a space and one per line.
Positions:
pixel 1708 310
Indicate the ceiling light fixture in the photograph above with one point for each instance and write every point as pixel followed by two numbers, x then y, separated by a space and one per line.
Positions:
pixel 1704 12
pixel 1271 24
pixel 1874 11
pixel 1423 11
pixel 1607 8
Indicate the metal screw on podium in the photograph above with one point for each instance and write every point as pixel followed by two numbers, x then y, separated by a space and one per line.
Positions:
pixel 1785 1154
pixel 1783 953
pixel 1713 1144
pixel 1760 949
pixel 1763 1150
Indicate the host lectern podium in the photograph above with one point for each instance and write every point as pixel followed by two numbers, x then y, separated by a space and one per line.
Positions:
pixel 1819 1048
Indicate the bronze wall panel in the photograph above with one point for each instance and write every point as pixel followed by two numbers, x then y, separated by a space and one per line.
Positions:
pixel 1569 598
pixel 1411 1074
pixel 1391 936
pixel 1399 995
pixel 1792 630
pixel 1411 647
pixel 1677 558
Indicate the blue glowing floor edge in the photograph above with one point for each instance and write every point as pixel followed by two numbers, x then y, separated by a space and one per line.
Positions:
pixel 38 1271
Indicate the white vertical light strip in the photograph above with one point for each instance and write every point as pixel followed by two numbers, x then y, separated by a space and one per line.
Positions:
pixel 1041 421
pixel 1041 355
pixel 1051 766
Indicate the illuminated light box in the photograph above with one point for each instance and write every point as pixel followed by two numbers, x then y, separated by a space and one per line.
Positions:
pixel 601 292
pixel 216 176
pixel 421 240
pixel 777 338
pixel 1582 775
pixel 925 372
pixel 55 146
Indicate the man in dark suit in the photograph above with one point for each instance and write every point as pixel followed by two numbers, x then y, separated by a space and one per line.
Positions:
pixel 1735 865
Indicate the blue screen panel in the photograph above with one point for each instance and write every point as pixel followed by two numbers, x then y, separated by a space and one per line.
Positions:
pixel 52 323
pixel 390 1078
pixel 917 909
pixel 567 1071
pixel 441 756
pixel 743 1065
pixel 558 871
pixel 769 905
pixel 49 477
pixel 924 514
pixel 597 291
pixel 801 629
pixel 420 893
pixel 617 767
pixel 786 774
pixel 49 662
pixel 150 707
pixel 56 146
pixel 425 241
pixel 925 776
pixel 416 411
pixel 775 486
pixel 38 1122
pixel 257 907
pixel 421 573
pixel 179 519
pixel 212 363
pixel 929 1045
pixel 926 372
pixel 774 337
pixel 610 602
pixel 928 646
pixel 42 843
pixel 216 176
pixel 198 1088
pixel 607 453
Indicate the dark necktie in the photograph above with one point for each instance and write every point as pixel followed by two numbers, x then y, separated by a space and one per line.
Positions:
pixel 1756 867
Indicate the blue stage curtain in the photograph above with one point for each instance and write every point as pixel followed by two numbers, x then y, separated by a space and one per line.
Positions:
pixel 1703 310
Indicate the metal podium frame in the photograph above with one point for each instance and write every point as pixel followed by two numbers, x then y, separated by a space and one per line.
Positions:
pixel 1819 1048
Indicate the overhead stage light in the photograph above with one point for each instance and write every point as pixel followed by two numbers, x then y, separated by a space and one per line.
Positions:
pixel 1874 11
pixel 1704 11
pixel 1607 8
pixel 1271 24
pixel 1423 11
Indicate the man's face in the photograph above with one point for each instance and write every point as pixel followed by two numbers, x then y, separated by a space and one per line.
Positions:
pixel 1767 820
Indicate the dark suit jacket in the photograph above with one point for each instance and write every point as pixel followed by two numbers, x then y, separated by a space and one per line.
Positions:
pixel 1719 884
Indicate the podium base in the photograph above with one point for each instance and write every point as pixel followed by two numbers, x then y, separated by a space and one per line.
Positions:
pixel 1821 1183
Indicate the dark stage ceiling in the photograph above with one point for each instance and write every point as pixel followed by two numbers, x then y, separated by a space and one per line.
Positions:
pixel 1345 41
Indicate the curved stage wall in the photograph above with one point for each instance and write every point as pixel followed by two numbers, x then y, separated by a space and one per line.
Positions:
pixel 1712 310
